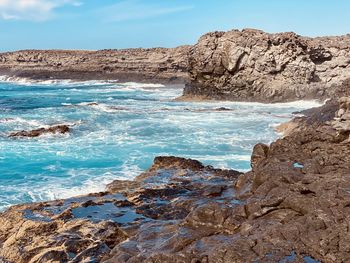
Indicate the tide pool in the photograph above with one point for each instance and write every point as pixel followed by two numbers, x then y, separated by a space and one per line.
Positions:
pixel 117 130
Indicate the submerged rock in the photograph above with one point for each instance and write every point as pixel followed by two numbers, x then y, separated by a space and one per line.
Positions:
pixel 58 129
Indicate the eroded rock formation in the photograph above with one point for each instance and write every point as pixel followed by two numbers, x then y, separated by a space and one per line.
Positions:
pixel 143 65
pixel 247 65
pixel 293 206
pixel 90 228
pixel 251 65
pixel 342 120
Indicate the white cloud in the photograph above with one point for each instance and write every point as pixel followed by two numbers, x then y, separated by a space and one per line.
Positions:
pixel 136 10
pixel 37 10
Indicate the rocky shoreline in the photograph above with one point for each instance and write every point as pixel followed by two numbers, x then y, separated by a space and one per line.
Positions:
pixel 293 206
pixel 157 65
pixel 251 65
pixel 247 65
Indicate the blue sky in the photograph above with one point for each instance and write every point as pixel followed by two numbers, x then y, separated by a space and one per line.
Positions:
pixel 99 24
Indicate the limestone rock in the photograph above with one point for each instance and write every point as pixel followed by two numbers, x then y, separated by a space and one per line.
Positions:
pixel 251 65
pixel 142 65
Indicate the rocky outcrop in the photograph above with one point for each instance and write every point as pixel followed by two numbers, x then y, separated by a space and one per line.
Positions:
pixel 332 112
pixel 293 206
pixel 142 65
pixel 247 65
pixel 251 65
pixel 90 228
pixel 342 120
pixel 58 129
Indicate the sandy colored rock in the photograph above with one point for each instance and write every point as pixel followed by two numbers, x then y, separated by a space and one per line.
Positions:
pixel 251 65
pixel 165 65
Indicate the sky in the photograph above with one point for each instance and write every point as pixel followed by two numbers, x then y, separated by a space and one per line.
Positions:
pixel 103 24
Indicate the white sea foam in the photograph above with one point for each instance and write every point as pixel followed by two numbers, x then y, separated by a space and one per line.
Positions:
pixel 53 82
pixel 300 104
pixel 72 83
pixel 93 185
pixel 19 120
pixel 113 146
pixel 136 85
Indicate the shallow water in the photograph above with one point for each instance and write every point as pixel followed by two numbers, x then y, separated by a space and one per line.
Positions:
pixel 118 130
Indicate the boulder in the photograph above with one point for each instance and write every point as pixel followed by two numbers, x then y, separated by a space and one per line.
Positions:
pixel 251 65
pixel 58 129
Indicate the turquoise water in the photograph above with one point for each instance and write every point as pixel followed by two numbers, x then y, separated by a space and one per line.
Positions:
pixel 118 135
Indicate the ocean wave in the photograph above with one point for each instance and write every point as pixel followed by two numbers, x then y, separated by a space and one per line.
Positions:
pixel 300 104
pixel 142 85
pixel 53 191
pixel 73 83
pixel 54 82
pixel 36 123
pixel 96 106
pixel 21 121
pixel 121 145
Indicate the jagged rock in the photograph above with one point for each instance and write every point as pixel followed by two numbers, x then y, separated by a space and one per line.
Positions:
pixel 293 206
pixel 342 120
pixel 314 117
pixel 260 152
pixel 251 65
pixel 90 227
pixel 182 211
pixel 247 65
pixel 58 129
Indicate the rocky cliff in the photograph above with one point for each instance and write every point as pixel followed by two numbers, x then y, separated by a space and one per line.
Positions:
pixel 247 65
pixel 251 65
pixel 293 206
pixel 143 65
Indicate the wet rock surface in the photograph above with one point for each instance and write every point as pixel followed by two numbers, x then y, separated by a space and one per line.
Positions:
pixel 293 206
pixel 57 129
pixel 89 228
pixel 251 65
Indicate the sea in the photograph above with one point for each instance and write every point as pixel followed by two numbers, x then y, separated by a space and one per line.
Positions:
pixel 117 129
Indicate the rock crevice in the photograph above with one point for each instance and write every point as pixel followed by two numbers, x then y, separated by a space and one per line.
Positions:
pixel 251 65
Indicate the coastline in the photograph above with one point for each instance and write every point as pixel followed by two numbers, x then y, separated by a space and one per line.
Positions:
pixel 180 79
pixel 230 149
pixel 185 202
pixel 155 65
pixel 237 65
pixel 292 205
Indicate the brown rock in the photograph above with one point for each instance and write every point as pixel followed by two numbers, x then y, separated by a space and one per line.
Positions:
pixel 59 129
pixel 168 65
pixel 260 152
pixel 251 65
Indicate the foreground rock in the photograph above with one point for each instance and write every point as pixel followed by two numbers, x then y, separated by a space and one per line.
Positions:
pixel 58 129
pixel 142 65
pixel 91 228
pixel 251 65
pixel 293 206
